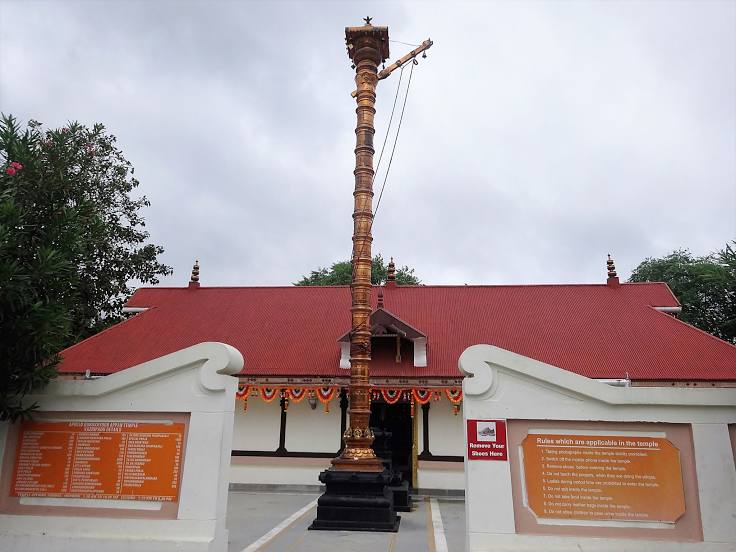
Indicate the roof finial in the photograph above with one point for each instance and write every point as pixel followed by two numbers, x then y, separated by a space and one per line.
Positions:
pixel 391 274
pixel 380 297
pixel 367 21
pixel 612 276
pixel 194 280
pixel 611 267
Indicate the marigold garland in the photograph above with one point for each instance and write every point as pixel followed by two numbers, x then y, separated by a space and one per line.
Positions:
pixel 391 396
pixel 454 394
pixel 326 394
pixel 296 394
pixel 268 394
pixel 422 396
pixel 242 395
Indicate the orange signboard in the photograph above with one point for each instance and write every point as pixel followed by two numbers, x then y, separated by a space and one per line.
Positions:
pixel 111 460
pixel 607 477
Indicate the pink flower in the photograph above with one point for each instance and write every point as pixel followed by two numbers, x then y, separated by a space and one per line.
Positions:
pixel 10 171
pixel 16 165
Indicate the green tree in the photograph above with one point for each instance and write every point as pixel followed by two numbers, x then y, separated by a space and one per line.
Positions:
pixel 71 240
pixel 340 274
pixel 705 286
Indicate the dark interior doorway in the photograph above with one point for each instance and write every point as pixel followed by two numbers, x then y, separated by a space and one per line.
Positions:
pixel 396 418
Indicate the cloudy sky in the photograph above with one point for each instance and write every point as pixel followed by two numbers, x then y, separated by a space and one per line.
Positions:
pixel 537 137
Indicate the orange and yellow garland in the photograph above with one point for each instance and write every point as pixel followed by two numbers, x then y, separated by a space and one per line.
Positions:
pixel 391 395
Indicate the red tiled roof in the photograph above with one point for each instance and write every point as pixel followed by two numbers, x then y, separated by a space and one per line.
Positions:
pixel 595 330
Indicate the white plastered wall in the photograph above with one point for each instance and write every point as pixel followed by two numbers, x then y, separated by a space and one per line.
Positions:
pixel 258 427
pixel 449 476
pixel 307 430
pixel 504 385
pixel 310 430
pixel 315 430
pixel 445 439
pixel 259 470
pixel 445 430
pixel 195 381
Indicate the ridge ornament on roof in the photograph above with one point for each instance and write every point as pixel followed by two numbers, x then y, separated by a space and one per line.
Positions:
pixel 612 276
pixel 194 278
pixel 391 274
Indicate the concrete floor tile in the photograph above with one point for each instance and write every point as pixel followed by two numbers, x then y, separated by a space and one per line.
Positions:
pixel 252 515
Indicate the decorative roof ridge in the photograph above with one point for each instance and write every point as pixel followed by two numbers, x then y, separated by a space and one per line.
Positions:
pixel 555 285
pixel 420 286
pixel 666 285
pixel 678 321
pixel 390 314
pixel 138 316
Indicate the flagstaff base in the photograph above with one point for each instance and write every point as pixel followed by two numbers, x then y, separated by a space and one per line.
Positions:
pixel 355 501
pixel 402 498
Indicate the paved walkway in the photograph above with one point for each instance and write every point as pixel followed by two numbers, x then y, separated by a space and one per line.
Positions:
pixel 277 522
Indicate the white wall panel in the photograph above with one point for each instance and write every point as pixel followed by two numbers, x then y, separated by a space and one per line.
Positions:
pixel 258 427
pixel 446 435
pixel 315 430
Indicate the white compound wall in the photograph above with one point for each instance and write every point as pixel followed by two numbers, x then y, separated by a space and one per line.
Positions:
pixel 194 384
pixel 527 394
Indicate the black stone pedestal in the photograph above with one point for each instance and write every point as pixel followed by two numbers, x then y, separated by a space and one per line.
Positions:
pixel 355 501
pixel 396 484
pixel 402 499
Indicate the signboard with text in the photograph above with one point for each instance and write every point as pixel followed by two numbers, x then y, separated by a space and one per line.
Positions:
pixel 609 477
pixel 487 440
pixel 105 460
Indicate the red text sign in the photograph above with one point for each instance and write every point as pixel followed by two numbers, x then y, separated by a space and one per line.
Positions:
pixel 487 440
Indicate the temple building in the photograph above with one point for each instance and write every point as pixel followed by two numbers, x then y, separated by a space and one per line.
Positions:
pixel 292 397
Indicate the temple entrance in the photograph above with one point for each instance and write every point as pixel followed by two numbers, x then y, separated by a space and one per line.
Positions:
pixel 396 419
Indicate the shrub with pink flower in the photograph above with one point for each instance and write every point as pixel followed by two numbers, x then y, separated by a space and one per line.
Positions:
pixel 13 168
pixel 73 240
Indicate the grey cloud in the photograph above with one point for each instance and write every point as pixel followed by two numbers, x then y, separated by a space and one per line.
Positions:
pixel 537 138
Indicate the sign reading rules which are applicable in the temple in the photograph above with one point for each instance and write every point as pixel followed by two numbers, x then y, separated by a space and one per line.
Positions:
pixel 487 440
pixel 104 460
pixel 609 477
